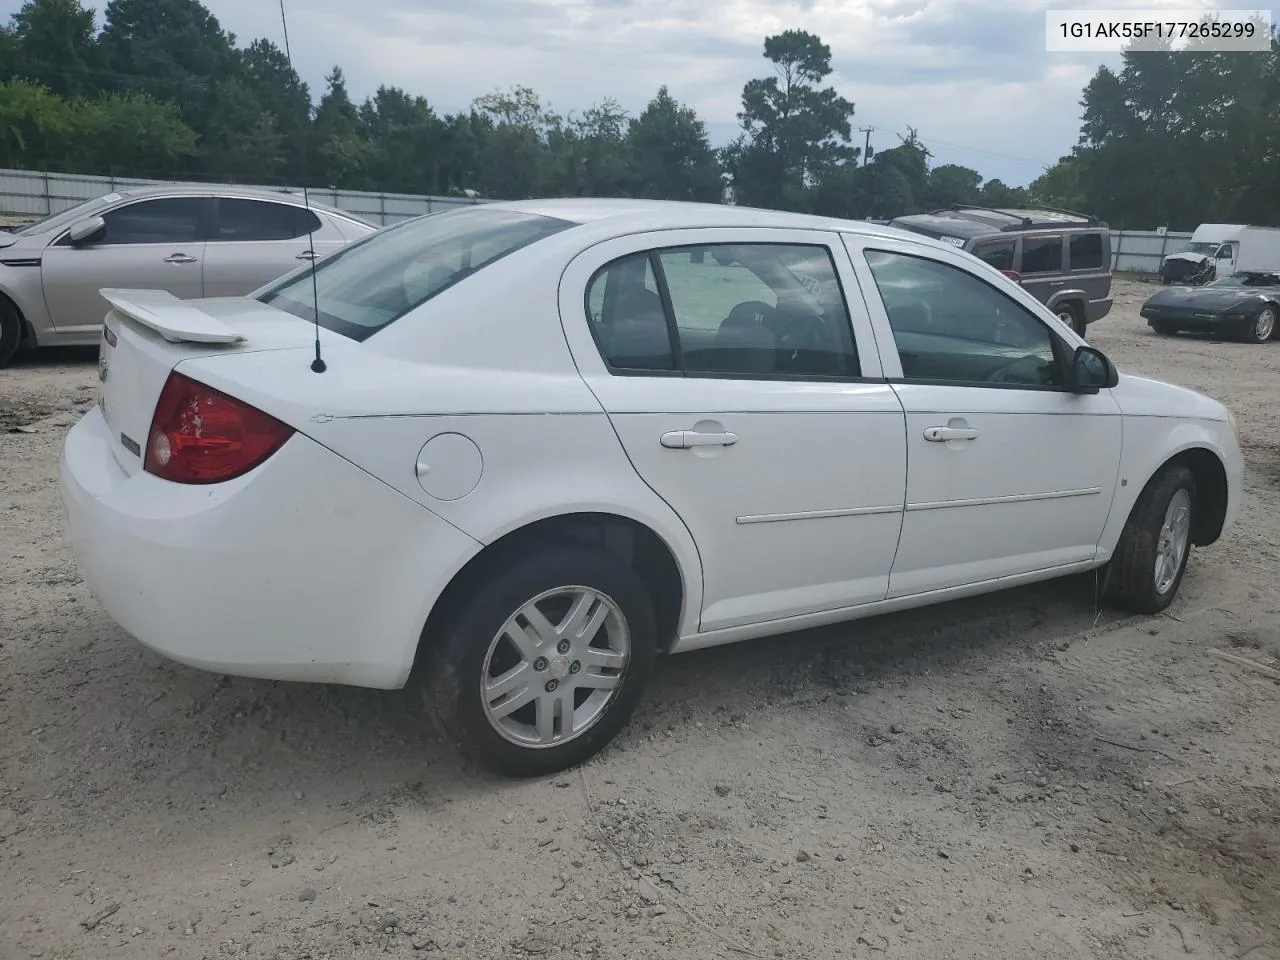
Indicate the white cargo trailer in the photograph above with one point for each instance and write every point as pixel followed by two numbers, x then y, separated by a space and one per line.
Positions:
pixel 1251 250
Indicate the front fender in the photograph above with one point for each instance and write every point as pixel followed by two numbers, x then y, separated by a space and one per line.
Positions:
pixel 1150 442
pixel 28 298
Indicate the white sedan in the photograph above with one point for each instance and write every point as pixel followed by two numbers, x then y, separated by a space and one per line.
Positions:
pixel 548 441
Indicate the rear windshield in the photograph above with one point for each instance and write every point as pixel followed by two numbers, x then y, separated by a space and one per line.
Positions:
pixel 377 280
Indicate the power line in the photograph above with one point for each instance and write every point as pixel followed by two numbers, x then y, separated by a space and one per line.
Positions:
pixel 979 150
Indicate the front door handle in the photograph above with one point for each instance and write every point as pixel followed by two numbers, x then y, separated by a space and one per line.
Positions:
pixel 305 255
pixel 684 439
pixel 943 434
pixel 179 258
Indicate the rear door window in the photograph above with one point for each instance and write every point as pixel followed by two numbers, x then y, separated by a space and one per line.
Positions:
pixel 1041 255
pixel 1086 251
pixel 242 219
pixel 998 253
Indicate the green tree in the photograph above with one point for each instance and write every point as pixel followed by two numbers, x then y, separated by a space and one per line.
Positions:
pixel 242 142
pixel 513 129
pixel 1179 137
pixel 265 70
pixel 169 49
pixel 406 141
pixel 951 183
pixel 671 156
pixel 54 44
pixel 892 184
pixel 793 129
pixel 998 194
pixel 341 151
pixel 587 155
pixel 158 139
pixel 1059 186
pixel 33 126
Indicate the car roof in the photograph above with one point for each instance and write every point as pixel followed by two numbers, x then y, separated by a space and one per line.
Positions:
pixel 625 214
pixel 973 221
pixel 231 190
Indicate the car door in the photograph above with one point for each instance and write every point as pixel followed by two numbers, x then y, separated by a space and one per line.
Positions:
pixel 1089 259
pixel 1224 259
pixel 155 243
pixel 1009 472
pixel 747 397
pixel 253 242
pixel 1040 264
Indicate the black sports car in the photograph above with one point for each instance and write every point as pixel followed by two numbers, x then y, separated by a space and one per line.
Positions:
pixel 1242 305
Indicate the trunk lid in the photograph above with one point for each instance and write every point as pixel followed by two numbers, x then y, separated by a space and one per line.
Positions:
pixel 149 332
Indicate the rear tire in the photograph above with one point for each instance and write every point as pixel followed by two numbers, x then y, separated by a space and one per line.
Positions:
pixel 1149 561
pixel 562 676
pixel 10 332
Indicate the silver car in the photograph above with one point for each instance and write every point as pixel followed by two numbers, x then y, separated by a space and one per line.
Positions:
pixel 191 240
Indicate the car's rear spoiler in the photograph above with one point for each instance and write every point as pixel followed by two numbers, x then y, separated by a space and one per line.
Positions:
pixel 176 320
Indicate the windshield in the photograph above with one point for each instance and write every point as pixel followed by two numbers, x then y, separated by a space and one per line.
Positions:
pixel 377 280
pixel 1202 247
pixel 69 216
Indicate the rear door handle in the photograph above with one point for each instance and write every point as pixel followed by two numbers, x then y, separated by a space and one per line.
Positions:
pixel 305 255
pixel 684 439
pixel 943 434
pixel 179 258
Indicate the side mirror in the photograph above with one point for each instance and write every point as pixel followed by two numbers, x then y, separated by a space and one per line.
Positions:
pixel 1091 371
pixel 86 230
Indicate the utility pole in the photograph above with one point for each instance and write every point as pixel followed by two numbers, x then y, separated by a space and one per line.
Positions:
pixel 866 150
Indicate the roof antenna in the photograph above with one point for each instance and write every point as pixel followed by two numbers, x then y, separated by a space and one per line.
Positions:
pixel 318 365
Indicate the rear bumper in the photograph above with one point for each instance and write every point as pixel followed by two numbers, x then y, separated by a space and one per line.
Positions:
pixel 307 568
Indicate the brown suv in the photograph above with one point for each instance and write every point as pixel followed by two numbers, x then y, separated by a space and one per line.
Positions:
pixel 1062 258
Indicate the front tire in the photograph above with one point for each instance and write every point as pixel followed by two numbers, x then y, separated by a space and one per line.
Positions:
pixel 544 663
pixel 10 333
pixel 1151 557
pixel 1263 327
pixel 1073 317
pixel 1164 329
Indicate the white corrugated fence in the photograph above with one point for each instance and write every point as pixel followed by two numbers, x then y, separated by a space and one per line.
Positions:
pixel 29 193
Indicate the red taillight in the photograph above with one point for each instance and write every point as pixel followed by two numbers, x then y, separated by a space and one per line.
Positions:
pixel 1013 275
pixel 201 435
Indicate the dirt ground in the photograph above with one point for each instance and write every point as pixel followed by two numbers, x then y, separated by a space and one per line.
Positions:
pixel 1012 776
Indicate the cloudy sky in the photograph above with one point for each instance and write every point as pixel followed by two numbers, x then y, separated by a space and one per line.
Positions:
pixel 971 76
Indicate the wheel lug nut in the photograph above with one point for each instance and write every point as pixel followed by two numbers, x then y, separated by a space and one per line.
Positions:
pixel 575 667
pixel 552 685
pixel 563 646
pixel 540 664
